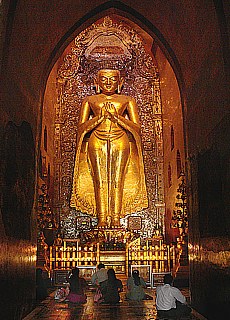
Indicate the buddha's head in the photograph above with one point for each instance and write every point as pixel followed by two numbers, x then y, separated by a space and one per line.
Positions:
pixel 108 81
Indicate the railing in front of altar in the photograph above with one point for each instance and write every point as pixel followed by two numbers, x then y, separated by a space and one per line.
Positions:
pixel 71 254
pixel 153 252
pixel 159 257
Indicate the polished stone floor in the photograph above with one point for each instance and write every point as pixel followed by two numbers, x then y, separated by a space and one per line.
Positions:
pixel 50 309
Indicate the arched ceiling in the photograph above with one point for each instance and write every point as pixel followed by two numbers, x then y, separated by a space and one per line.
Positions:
pixel 43 27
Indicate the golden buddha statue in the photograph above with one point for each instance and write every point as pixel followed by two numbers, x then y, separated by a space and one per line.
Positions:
pixel 108 180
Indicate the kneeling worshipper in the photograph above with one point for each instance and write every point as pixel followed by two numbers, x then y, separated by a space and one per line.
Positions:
pixel 170 302
pixel 77 288
pixel 135 286
pixel 111 288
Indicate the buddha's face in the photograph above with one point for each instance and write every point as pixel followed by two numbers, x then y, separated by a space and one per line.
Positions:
pixel 108 80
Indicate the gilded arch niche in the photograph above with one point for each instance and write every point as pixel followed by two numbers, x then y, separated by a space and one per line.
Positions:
pixel 109 44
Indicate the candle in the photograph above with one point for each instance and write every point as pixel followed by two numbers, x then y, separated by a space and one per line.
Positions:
pixel 68 258
pixel 157 258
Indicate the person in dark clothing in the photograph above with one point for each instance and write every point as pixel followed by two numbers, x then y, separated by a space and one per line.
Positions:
pixel 77 288
pixel 111 288
pixel 41 287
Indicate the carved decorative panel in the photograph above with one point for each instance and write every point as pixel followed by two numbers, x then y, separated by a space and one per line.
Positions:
pixel 134 223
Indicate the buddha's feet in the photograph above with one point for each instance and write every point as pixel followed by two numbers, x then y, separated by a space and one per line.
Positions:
pixel 102 224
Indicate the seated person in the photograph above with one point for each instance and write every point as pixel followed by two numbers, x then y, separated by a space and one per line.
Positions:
pixel 77 288
pixel 135 286
pixel 170 302
pixel 111 288
pixel 100 276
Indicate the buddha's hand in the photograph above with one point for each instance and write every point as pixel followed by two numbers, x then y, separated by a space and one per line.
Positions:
pixel 109 111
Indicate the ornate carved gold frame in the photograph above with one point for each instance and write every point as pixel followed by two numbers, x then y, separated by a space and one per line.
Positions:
pixel 109 44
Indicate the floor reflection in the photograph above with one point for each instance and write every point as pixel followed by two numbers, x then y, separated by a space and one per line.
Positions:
pixel 125 310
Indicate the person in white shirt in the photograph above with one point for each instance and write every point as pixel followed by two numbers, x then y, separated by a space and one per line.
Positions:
pixel 170 302
pixel 100 276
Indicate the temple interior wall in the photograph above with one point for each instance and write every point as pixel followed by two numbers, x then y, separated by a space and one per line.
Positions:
pixel 194 36
pixel 172 120
pixel 47 149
